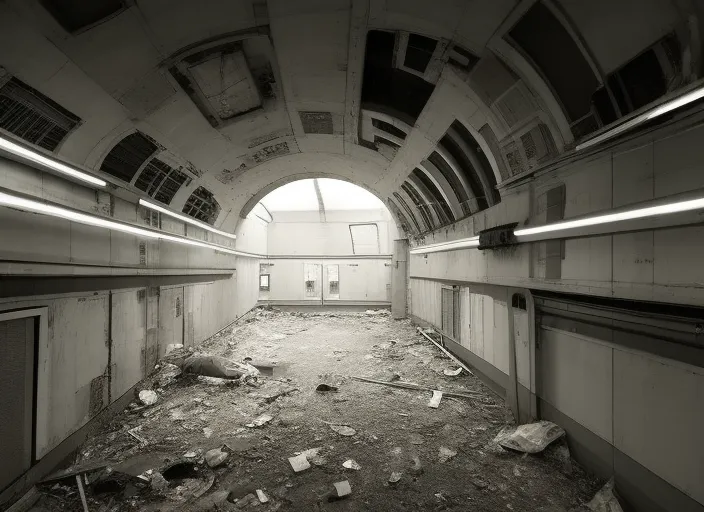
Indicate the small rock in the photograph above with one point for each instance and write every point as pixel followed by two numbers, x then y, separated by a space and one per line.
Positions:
pixel 158 482
pixel 207 432
pixel 479 483
pixel 445 454
pixel 260 421
pixel 190 455
pixel 351 464
pixel 343 430
pixel 343 488
pixel 417 468
pixel 453 373
pixel 325 387
pixel 395 477
pixel 262 497
pixel 148 397
pixel 246 500
pixel 299 463
pixel 215 457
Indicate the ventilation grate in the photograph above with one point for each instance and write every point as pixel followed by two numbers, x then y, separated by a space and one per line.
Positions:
pixel 124 160
pixel 316 122
pixel 160 181
pixel 28 114
pixel 202 206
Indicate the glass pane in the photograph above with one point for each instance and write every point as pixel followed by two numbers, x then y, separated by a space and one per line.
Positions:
pixel 333 281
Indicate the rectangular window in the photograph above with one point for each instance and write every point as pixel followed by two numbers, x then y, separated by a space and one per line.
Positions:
pixel 333 281
pixel 160 180
pixel 365 239
pixel 28 114
pixel 202 206
pixel 264 282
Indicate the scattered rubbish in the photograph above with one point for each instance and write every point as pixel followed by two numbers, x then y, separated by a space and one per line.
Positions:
pixel 148 397
pixel 444 350
pixel 173 346
pixel 190 455
pixel 267 369
pixel 435 399
pixel 395 377
pixel 313 456
pixel 416 439
pixel 351 464
pixel 133 433
pixel 299 463
pixel 375 312
pixel 325 387
pixel 260 421
pixel 343 488
pixel 215 457
pixel 404 414
pixel 158 482
pixel 167 374
pixel 409 385
pixel 395 477
pixel 262 497
pixel 452 373
pixel 445 454
pixel 529 438
pixel 343 430
pixel 417 468
pixel 217 381
pixel 220 367
pixel 478 483
pixel 605 500
pixel 247 500
pixel 207 432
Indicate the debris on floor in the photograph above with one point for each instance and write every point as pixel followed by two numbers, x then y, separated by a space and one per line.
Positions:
pixel 148 397
pixel 325 387
pixel 452 373
pixel 435 399
pixel 351 464
pixel 605 500
pixel 529 438
pixel 210 443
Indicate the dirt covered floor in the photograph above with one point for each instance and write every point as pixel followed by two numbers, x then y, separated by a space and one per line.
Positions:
pixel 442 459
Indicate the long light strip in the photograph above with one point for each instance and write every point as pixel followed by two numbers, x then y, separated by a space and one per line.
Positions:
pixel 38 158
pixel 673 104
pixel 682 206
pixel 90 220
pixel 464 243
pixel 184 218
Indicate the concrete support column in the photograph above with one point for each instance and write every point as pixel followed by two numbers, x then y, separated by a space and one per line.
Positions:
pixel 399 278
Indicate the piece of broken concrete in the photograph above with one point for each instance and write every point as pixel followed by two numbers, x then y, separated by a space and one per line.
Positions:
pixel 605 500
pixel 343 488
pixel 417 468
pixel 158 482
pixel 262 497
pixel 148 397
pixel 207 432
pixel 343 430
pixel 173 346
pixel 445 454
pixel 215 457
pixel 260 421
pixel 246 500
pixel 313 456
pixel 299 463
pixel 435 399
pixel 395 477
pixel 529 438
pixel 453 373
pixel 351 464
pixel 216 366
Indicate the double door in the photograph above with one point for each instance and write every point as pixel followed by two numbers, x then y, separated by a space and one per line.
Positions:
pixel 321 282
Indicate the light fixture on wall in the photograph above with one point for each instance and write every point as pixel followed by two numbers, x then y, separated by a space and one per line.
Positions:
pixel 666 107
pixel 30 205
pixel 639 213
pixel 184 218
pixel 38 158
pixel 454 245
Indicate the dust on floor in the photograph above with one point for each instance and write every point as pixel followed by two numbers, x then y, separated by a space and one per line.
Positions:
pixel 443 458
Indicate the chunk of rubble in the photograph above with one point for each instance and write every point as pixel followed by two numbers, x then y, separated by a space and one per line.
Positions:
pixel 445 454
pixel 351 464
pixel 452 373
pixel 262 497
pixel 260 421
pixel 529 438
pixel 343 489
pixel 605 500
pixel 220 367
pixel 435 399
pixel 343 430
pixel 148 397
pixel 395 477
pixel 299 463
pixel 215 457
pixel 417 468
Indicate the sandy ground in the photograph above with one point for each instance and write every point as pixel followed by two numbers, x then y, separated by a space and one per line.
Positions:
pixel 445 456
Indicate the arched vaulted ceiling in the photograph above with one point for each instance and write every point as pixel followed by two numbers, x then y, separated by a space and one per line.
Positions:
pixel 207 106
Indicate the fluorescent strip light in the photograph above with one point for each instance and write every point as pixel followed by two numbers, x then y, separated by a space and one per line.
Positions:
pixel 184 218
pixel 646 116
pixel 464 243
pixel 38 158
pixel 90 220
pixel 682 206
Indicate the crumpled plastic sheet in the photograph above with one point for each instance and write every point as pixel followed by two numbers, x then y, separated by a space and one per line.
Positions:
pixel 529 438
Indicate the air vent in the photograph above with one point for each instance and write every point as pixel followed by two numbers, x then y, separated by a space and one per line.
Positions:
pixel 28 114
pixel 316 122
pixel 388 128
pixel 125 159
pixel 538 145
pixel 160 181
pixel 269 152
pixel 202 206
pixel 514 158
pixel 419 51
pixel 74 15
